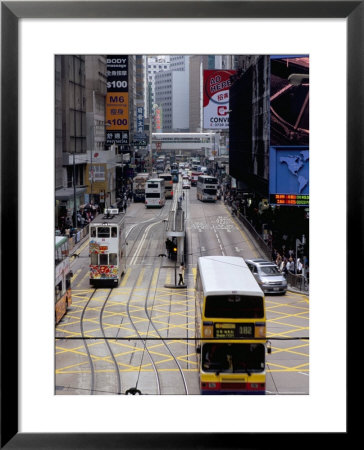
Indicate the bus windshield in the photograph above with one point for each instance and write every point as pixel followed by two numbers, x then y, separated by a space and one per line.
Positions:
pixel 236 358
pixel 210 191
pixel 210 180
pixel 234 306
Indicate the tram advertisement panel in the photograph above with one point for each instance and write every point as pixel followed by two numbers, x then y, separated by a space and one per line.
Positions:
pixel 117 100
pixel 216 86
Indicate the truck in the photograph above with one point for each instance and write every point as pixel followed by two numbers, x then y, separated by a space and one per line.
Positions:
pixel 139 186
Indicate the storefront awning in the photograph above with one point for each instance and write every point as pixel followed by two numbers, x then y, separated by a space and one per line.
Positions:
pixel 68 193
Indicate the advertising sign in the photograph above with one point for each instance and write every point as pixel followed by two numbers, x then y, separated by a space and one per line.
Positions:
pixel 140 119
pixel 289 100
pixel 289 175
pixel 117 100
pixel 216 86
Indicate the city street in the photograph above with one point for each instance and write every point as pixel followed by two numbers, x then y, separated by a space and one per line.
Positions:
pixel 151 324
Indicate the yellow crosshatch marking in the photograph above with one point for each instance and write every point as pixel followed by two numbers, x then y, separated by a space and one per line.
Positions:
pixel 167 307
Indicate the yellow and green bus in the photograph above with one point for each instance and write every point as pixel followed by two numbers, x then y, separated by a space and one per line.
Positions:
pixel 230 327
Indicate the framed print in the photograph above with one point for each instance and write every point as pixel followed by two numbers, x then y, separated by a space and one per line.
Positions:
pixel 186 422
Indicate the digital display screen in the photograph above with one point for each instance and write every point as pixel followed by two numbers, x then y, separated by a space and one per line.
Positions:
pixel 234 330
pixel 289 199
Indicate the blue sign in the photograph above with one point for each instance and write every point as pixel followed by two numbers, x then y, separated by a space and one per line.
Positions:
pixel 289 170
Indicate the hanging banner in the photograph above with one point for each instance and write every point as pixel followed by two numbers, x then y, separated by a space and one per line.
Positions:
pixel 117 100
pixel 216 86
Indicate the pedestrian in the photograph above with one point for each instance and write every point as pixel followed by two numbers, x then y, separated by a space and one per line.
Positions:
pixel 283 266
pixel 290 265
pixel 181 273
pixel 278 259
pixel 299 266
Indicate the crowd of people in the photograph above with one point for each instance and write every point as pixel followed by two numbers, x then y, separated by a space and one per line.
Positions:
pixel 279 227
pixel 287 263
pixel 84 216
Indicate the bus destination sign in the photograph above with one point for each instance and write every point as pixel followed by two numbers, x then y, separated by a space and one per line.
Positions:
pixel 234 330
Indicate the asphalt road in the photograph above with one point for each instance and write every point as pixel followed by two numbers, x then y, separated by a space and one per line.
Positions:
pixel 148 321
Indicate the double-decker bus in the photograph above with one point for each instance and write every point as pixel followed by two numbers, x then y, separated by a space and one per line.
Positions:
pixel 168 184
pixel 230 327
pixel 154 193
pixel 107 248
pixel 160 164
pixel 207 188
pixel 139 186
pixel 63 275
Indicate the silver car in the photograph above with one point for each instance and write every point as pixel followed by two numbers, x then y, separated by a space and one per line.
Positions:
pixel 269 278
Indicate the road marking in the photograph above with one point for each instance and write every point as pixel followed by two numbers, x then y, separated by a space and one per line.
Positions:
pixel 140 278
pixel 75 275
pixel 125 277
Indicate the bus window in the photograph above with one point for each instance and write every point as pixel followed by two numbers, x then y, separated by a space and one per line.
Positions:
pixel 233 358
pixel 103 232
pixel 114 231
pixel 94 259
pixel 215 358
pixel 93 231
pixel 103 260
pixel 152 195
pixel 234 306
pixel 113 259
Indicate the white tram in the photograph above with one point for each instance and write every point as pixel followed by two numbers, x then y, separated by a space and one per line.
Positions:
pixel 107 248
pixel 155 193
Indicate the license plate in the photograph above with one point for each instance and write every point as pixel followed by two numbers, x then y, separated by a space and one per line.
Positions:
pixel 275 289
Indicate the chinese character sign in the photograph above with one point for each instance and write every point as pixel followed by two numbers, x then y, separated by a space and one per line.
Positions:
pixel 216 86
pixel 117 100
pixel 140 119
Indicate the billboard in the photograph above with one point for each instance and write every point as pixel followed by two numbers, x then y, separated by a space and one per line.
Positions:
pixel 289 100
pixel 216 86
pixel 117 100
pixel 289 175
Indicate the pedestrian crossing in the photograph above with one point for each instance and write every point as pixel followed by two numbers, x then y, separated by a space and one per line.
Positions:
pixel 133 277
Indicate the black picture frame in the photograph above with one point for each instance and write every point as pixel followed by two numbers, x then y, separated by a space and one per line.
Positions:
pixel 11 12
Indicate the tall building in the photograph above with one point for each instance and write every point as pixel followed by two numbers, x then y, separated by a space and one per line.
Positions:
pixel 95 70
pixel 172 94
pixel 156 64
pixel 70 134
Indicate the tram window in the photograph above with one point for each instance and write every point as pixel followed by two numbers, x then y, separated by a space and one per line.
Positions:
pixel 114 231
pixel 103 232
pixel 94 259
pixel 93 231
pixel 104 260
pixel 58 290
pixel 113 259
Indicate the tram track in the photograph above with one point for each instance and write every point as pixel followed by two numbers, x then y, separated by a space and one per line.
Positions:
pixel 144 340
pixel 98 345
pixel 84 340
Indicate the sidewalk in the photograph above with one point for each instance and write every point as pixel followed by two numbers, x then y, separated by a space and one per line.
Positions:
pixel 295 282
pixel 74 251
